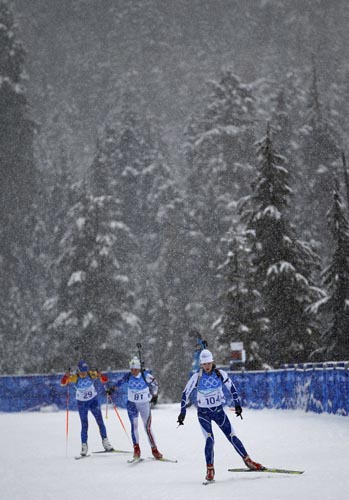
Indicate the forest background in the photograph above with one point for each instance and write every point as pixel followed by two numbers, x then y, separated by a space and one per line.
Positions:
pixel 173 168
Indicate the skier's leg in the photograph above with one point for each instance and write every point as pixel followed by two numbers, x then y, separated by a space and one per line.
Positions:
pixel 204 416
pixel 145 413
pixel 96 412
pixel 132 412
pixel 83 408
pixel 223 422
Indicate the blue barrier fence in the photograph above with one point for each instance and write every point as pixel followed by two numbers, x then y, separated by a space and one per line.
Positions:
pixel 32 392
pixel 321 390
pixel 310 389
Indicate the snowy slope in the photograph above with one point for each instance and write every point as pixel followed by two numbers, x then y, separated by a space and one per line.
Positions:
pixel 35 463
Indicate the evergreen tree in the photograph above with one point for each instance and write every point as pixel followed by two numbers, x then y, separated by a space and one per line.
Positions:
pixel 95 297
pixel 286 102
pixel 335 306
pixel 173 297
pixel 136 166
pixel 318 155
pixel 131 166
pixel 242 319
pixel 18 182
pixel 220 139
pixel 17 169
pixel 17 319
pixel 221 136
pixel 49 217
pixel 283 265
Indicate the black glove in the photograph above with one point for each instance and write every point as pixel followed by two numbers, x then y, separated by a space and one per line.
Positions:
pixel 181 418
pixel 109 391
pixel 154 399
pixel 238 411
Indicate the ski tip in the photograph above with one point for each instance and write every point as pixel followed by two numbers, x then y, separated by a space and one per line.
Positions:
pixel 206 483
pixel 163 459
pixel 281 471
pixel 79 457
pixel 272 470
pixel 135 460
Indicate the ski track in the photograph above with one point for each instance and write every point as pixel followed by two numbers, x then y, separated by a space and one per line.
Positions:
pixel 37 463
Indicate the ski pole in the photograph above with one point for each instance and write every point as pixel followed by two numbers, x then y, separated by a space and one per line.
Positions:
pixel 106 407
pixel 139 347
pixel 67 422
pixel 120 419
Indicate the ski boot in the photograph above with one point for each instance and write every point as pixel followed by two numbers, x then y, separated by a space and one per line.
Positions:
pixel 106 445
pixel 84 449
pixel 252 465
pixel 156 454
pixel 136 451
pixel 210 472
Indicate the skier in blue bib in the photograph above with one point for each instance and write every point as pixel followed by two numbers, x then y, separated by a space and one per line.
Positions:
pixel 142 389
pixel 209 383
pixel 87 400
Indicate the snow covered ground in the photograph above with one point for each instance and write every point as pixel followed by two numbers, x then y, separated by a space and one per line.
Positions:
pixel 37 464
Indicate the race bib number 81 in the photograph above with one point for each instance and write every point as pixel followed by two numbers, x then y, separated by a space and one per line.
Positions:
pixel 139 396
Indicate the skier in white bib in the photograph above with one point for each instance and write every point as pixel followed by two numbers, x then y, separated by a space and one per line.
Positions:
pixel 209 383
pixel 142 389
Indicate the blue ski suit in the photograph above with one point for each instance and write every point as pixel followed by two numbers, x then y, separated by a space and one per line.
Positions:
pixel 87 400
pixel 210 399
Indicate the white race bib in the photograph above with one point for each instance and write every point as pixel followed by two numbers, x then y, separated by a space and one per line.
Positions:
pixel 86 394
pixel 210 399
pixel 138 396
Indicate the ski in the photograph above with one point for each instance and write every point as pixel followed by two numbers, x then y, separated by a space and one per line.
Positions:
pixel 206 483
pixel 111 451
pixel 135 460
pixel 82 456
pixel 163 459
pixel 270 469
